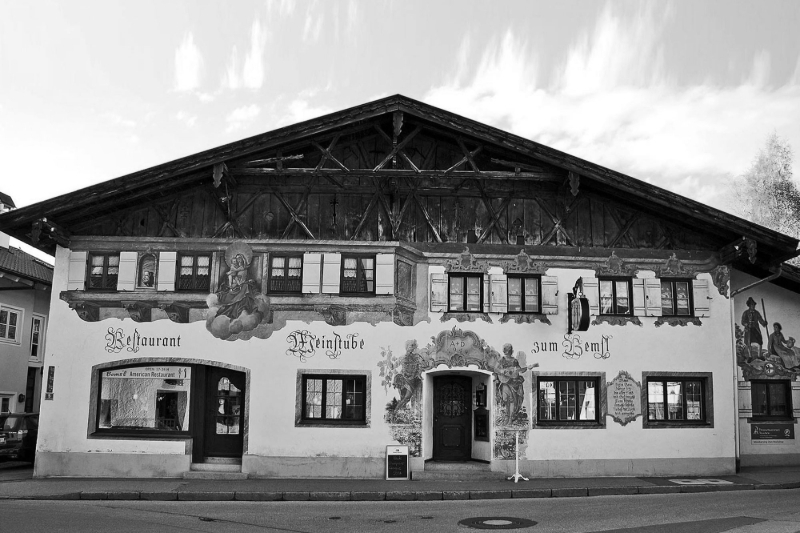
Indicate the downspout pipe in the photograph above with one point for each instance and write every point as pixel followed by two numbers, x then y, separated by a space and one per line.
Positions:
pixel 771 277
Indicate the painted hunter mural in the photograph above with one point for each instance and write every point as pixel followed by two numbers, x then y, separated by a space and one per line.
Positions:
pixel 762 347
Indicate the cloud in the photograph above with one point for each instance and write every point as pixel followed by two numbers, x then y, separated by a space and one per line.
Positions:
pixel 612 103
pixel 188 64
pixel 251 74
pixel 282 8
pixel 188 119
pixel 241 117
pixel 312 29
pixel 119 120
pixel 298 110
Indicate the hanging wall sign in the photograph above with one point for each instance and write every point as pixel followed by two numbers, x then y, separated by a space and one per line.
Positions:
pixel 578 313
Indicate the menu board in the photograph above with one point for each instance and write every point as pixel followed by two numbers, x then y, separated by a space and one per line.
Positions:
pixel 397 462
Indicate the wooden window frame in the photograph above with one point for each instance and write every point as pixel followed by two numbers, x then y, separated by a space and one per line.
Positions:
pixel 673 289
pixel 40 345
pixel 706 399
pixel 304 420
pixel 787 389
pixel 557 422
pixel 272 279
pixel 20 313
pixel 360 274
pixel 178 277
pixel 523 277
pixel 465 275
pixel 105 284
pixel 614 296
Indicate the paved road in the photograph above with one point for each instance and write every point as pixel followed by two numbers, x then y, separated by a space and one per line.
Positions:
pixel 740 512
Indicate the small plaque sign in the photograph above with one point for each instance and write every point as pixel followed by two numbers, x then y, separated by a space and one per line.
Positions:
pixel 771 433
pixel 51 372
pixel 624 396
pixel 397 462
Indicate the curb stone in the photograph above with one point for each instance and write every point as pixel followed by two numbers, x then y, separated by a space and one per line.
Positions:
pixel 429 495
pixel 532 493
pixel 455 495
pixel 367 496
pixel 489 494
pixel 205 496
pixel 329 496
pixel 158 496
pixel 570 493
pixel 296 496
pixel 245 496
pixel 94 495
pixel 401 496
pixel 613 491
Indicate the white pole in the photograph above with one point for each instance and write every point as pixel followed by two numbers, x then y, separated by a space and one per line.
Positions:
pixel 517 476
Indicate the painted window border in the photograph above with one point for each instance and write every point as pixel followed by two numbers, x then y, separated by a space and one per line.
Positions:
pixel 538 279
pixel 359 271
pixel 672 282
pixel 708 399
pixel 482 277
pixel 614 280
pixel 299 421
pixel 601 408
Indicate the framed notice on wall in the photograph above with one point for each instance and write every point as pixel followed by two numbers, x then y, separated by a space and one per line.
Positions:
pixel 771 433
pixel 397 462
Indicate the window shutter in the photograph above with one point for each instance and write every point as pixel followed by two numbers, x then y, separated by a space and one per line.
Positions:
pixel 637 284
pixel 499 293
pixel 312 272
pixel 486 293
pixel 796 399
pixel 701 298
pixel 549 295
pixel 591 290
pixel 439 293
pixel 384 274
pixel 331 268
pixel 652 296
pixel 745 399
pixel 127 271
pixel 167 266
pixel 76 276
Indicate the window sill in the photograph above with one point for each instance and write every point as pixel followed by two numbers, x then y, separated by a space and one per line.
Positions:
pixel 678 321
pixel 676 425
pixel 331 424
pixel 764 420
pixel 140 435
pixel 466 316
pixel 616 320
pixel 525 318
pixel 10 341
pixel 589 424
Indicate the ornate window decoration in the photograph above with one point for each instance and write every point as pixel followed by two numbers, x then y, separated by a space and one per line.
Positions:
pixel 466 295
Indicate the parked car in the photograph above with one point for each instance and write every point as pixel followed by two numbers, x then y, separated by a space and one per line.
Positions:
pixel 18 433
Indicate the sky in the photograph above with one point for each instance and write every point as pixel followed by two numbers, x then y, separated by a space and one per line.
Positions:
pixel 680 94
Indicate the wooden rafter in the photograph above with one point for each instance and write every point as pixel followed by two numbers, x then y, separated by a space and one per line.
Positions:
pixel 400 145
pixel 327 153
pixel 396 149
pixel 167 217
pixel 293 213
pixel 465 159
pixel 623 228
pixel 468 155
pixel 558 227
pixel 224 206
pixel 494 222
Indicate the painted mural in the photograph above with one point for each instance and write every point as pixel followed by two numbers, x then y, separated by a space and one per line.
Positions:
pixel 777 356
pixel 456 348
pixel 238 306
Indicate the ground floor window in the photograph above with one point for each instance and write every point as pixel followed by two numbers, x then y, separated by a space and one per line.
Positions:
pixel 144 399
pixel 678 399
pixel 333 398
pixel 567 400
pixel 772 399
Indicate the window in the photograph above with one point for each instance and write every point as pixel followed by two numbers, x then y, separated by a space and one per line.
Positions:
pixel 772 399
pixel 194 272
pixel 103 272
pixel 4 404
pixel 615 296
pixel 676 297
pixel 337 399
pixel 523 294
pixel 466 292
pixel 144 399
pixel 358 275
pixel 286 274
pixel 568 400
pixel 37 336
pixel 10 319
pixel 678 400
pixel 146 275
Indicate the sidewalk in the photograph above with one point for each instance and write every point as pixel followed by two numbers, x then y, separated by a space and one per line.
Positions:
pixel 16 483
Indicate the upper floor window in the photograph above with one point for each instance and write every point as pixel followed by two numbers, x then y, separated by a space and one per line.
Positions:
pixel 103 271
pixel 568 399
pixel 358 275
pixel 772 399
pixel 37 336
pixel 194 272
pixel 466 292
pixel 286 273
pixel 615 296
pixel 333 399
pixel 146 275
pixel 10 319
pixel 676 297
pixel 523 294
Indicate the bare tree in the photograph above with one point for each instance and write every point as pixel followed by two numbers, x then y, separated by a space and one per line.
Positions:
pixel 765 193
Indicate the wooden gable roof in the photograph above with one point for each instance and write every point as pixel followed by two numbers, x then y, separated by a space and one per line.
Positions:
pixel 384 156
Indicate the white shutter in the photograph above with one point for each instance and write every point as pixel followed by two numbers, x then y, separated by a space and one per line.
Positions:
pixel 76 276
pixel 312 272
pixel 439 293
pixel 652 296
pixel 549 295
pixel 384 274
pixel 127 271
pixel 701 298
pixel 591 290
pixel 796 399
pixel 167 266
pixel 637 284
pixel 486 293
pixel 499 293
pixel 331 272
pixel 745 399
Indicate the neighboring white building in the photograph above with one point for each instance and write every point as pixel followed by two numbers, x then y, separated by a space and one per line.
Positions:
pixel 292 303
pixel 25 283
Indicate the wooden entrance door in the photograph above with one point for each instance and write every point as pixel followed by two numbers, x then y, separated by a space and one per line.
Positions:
pixel 224 413
pixel 452 418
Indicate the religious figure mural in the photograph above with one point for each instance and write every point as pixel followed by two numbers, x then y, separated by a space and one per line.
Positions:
pixel 456 348
pixel 238 306
pixel 777 357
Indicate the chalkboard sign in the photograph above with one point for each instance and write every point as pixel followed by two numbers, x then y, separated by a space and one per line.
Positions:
pixel 482 424
pixel 397 462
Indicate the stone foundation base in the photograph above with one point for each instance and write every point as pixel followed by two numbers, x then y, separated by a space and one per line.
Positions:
pixel 130 465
